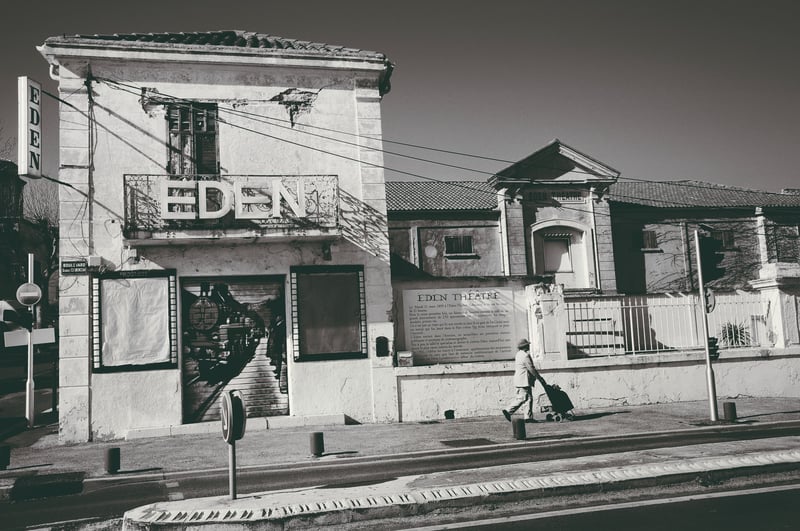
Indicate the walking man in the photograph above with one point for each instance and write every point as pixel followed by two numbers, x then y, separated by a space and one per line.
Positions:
pixel 525 375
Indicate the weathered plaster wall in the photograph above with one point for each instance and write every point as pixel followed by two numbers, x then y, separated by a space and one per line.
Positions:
pixel 484 389
pixel 145 399
pixel 420 242
pixel 672 265
pixel 485 242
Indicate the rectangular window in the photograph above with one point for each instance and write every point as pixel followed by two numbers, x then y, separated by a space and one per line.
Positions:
pixel 134 320
pixel 329 312
pixel 783 243
pixel 649 240
pixel 726 237
pixel 192 138
pixel 458 245
pixel 556 255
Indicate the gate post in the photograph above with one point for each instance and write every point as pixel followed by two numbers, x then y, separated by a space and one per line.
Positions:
pixel 547 321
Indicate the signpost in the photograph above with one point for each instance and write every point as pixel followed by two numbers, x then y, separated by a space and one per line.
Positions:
pixel 234 419
pixel 707 307
pixel 29 294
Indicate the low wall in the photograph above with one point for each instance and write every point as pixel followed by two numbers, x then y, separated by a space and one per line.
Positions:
pixel 480 389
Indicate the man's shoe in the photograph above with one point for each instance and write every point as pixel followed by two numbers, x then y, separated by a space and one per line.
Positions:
pixel 507 415
pixel 530 421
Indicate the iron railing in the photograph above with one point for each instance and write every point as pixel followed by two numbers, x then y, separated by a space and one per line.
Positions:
pixel 663 322
pixel 164 203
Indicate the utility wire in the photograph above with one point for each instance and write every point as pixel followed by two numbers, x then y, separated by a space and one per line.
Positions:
pixel 458 184
pixel 269 120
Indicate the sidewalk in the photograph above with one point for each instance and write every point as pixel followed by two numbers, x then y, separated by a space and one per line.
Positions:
pixel 37 452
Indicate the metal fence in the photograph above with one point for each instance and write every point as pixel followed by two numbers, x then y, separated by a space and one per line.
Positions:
pixel 663 322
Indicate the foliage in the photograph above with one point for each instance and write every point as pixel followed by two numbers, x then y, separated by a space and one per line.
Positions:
pixel 8 144
pixel 734 335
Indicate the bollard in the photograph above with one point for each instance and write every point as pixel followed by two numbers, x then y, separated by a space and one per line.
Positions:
pixel 729 410
pixel 5 457
pixel 317 444
pixel 518 425
pixel 449 414
pixel 112 460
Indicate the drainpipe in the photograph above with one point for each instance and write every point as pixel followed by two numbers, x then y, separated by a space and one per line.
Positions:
pixel 504 250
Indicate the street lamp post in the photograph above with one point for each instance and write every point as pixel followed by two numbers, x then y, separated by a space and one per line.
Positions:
pixel 712 391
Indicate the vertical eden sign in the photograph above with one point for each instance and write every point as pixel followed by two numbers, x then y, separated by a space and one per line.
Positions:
pixel 29 132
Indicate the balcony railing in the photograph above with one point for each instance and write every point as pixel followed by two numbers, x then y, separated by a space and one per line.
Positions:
pixel 198 206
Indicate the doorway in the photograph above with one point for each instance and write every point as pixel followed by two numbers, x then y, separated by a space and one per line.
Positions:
pixel 233 333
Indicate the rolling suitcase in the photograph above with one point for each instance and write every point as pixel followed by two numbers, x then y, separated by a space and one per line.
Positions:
pixel 560 405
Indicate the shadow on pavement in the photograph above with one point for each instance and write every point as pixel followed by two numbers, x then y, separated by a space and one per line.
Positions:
pixel 41 465
pixel 356 483
pixel 769 414
pixel 592 416
pixel 344 453
pixel 139 471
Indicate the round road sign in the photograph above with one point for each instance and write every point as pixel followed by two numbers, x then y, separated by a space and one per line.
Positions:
pixel 232 414
pixel 29 294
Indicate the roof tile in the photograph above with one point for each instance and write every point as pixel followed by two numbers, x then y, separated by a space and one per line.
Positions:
pixel 477 195
pixel 440 195
pixel 689 194
pixel 230 38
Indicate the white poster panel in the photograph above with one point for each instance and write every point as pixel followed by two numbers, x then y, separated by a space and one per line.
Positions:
pixel 135 321
pixel 460 325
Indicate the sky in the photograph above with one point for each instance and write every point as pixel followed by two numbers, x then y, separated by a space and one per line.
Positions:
pixel 659 90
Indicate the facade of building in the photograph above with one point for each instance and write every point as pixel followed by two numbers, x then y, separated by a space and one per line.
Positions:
pixel 212 238
pixel 601 274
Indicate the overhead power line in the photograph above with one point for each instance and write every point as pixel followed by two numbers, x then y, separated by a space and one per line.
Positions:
pixel 137 91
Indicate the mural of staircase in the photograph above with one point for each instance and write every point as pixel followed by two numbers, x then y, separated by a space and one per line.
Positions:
pixel 260 386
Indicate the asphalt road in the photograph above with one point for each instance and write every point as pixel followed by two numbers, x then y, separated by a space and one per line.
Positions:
pixel 111 497
pixel 768 509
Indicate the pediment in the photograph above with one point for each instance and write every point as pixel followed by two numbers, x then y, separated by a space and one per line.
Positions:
pixel 556 164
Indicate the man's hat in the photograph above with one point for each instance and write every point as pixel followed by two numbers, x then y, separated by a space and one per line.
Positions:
pixel 523 343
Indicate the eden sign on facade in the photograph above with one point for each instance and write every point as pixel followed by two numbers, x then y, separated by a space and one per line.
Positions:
pixel 158 202
pixel 243 200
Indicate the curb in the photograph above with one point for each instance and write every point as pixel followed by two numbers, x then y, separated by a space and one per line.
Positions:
pixel 253 511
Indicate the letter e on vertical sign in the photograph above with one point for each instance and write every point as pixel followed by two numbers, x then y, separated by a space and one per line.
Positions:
pixel 29 127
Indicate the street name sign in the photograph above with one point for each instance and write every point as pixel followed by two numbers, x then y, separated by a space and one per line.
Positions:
pixel 75 267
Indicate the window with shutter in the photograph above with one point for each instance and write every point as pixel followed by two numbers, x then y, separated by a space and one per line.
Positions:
pixel 192 139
